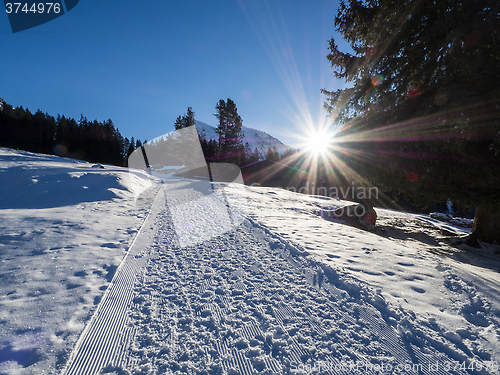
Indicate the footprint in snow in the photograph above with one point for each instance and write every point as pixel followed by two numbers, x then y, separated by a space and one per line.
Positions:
pixel 419 290
pixel 110 245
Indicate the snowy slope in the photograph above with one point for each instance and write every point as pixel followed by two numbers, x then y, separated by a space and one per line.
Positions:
pixel 442 296
pixel 257 139
pixel 285 291
pixel 64 229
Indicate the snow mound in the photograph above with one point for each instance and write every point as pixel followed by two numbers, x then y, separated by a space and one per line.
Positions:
pixel 64 229
pixel 34 181
pixel 458 221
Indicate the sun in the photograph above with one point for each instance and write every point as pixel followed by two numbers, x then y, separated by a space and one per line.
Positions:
pixel 318 142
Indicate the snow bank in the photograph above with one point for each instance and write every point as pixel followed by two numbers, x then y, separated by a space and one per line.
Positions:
pixel 64 229
pixel 458 221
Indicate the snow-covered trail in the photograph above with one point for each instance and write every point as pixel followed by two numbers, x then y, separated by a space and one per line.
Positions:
pixel 104 338
pixel 243 304
pixel 248 301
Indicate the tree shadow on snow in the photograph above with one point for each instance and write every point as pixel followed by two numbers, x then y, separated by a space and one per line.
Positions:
pixel 439 241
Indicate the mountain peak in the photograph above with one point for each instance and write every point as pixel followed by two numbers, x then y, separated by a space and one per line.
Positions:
pixel 257 139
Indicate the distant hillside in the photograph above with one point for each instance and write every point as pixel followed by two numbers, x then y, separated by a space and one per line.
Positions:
pixel 256 139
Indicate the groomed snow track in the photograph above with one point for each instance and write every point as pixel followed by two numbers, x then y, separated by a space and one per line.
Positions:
pixel 105 337
pixel 244 302
pixel 249 302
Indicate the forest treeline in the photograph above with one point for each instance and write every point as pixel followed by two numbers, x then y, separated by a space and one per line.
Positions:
pixel 93 141
pixel 101 142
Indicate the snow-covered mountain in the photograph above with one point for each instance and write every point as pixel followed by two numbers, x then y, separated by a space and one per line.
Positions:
pixel 96 282
pixel 257 139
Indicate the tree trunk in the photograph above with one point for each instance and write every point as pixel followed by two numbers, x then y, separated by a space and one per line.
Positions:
pixel 487 223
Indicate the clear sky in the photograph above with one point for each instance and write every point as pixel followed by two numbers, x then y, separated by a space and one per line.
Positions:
pixel 142 63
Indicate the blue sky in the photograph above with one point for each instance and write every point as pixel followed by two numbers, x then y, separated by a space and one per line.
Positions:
pixel 142 64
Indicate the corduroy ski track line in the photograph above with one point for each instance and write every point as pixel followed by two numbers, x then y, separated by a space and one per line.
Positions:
pixel 105 336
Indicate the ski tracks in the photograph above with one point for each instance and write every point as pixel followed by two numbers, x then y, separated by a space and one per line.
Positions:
pixel 245 302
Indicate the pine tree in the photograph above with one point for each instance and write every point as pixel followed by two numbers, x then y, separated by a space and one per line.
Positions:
pixel 190 121
pixel 272 154
pixel 185 120
pixel 131 147
pixel 422 103
pixel 229 131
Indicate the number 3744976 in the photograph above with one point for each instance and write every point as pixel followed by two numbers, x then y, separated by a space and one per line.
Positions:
pixel 33 8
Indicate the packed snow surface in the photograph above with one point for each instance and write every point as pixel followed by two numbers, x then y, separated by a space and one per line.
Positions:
pixel 94 281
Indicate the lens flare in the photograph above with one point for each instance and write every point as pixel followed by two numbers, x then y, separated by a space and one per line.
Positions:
pixel 318 142
pixel 377 80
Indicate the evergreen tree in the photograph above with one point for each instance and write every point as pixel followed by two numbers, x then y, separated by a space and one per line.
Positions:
pixel 185 120
pixel 126 145
pixel 231 148
pixel 61 140
pixel 422 103
pixel 247 154
pixel 190 121
pixel 210 149
pixel 131 147
pixel 272 154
